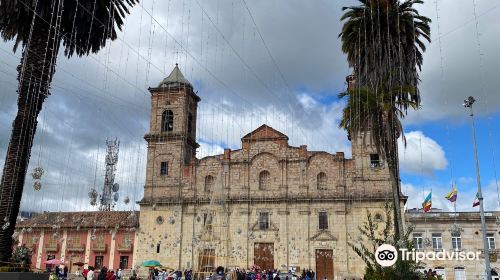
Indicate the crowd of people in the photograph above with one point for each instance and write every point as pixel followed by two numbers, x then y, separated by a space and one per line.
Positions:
pixel 104 274
pixel 162 274
pixel 59 274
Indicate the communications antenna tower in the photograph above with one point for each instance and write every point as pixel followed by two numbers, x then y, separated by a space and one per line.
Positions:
pixel 110 189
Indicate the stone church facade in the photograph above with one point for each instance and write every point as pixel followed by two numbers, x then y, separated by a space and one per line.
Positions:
pixel 267 204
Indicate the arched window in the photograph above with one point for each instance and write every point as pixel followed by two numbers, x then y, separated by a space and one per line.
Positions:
pixel 459 273
pixel 209 183
pixel 167 121
pixel 264 180
pixel 321 181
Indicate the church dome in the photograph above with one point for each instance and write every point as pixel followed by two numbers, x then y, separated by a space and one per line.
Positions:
pixel 175 79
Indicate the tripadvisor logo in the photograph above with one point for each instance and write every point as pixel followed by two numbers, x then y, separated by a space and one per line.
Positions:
pixel 386 255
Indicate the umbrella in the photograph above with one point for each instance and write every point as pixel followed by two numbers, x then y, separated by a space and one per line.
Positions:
pixel 79 264
pixel 53 261
pixel 151 263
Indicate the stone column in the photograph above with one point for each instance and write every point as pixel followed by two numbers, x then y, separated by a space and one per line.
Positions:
pixel 40 250
pixel 136 249
pixel 63 245
pixel 87 246
pixel 111 253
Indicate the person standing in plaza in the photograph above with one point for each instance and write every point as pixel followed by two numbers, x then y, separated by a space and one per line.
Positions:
pixel 90 273
pixel 102 274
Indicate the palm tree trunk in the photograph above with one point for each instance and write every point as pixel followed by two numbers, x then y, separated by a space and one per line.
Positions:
pixel 34 75
pixel 391 150
pixel 396 197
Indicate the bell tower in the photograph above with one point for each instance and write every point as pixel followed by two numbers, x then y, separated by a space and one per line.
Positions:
pixel 172 134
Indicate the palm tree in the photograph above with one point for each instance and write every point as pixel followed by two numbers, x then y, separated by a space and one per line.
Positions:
pixel 383 40
pixel 40 27
pixel 379 112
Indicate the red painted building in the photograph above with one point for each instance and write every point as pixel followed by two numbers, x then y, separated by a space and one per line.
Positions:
pixel 93 238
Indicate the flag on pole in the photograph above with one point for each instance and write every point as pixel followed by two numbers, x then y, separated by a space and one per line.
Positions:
pixel 476 201
pixel 452 196
pixel 427 204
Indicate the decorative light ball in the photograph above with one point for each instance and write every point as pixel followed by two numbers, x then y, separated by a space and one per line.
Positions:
pixel 171 220
pixel 37 173
pixel 116 187
pixel 116 196
pixel 93 193
pixel 159 220
pixel 37 186
pixel 126 200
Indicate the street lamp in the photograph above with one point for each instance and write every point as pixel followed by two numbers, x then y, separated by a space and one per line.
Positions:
pixel 468 104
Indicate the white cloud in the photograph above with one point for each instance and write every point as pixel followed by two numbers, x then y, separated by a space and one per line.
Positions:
pixel 207 149
pixel 422 155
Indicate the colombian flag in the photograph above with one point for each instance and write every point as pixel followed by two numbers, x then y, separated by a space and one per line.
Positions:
pixel 427 204
pixel 452 196
pixel 476 201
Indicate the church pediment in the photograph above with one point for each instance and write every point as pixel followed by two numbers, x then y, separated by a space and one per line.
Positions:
pixel 264 133
pixel 323 235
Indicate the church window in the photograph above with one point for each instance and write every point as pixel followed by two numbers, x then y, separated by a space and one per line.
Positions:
pixel 207 221
pixel 158 248
pixel 323 220
pixel 164 168
pixel 374 160
pixel 167 121
pixel 321 181
pixel 437 241
pixel 263 220
pixel 490 237
pixel 264 180
pixel 418 241
pixel 209 183
pixel 190 123
pixel 456 241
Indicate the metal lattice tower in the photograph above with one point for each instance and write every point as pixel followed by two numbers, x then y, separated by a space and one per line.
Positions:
pixel 108 199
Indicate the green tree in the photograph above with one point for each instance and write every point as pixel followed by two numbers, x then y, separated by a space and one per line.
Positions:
pixel 379 112
pixel 375 233
pixel 40 27
pixel 22 257
pixel 383 40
